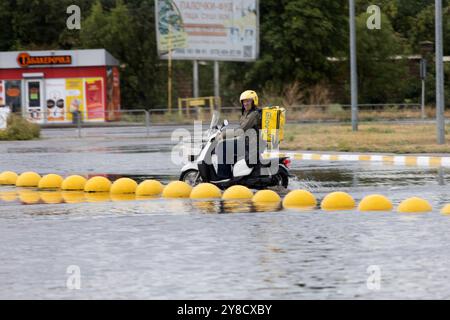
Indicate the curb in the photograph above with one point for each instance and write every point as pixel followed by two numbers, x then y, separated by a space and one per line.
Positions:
pixel 385 159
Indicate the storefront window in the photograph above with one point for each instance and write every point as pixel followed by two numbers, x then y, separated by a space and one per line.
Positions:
pixel 13 97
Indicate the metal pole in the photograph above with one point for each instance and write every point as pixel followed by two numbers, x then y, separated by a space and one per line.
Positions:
pixel 216 84
pixel 195 75
pixel 79 123
pixel 440 120
pixel 422 107
pixel 353 67
pixel 169 74
pixel 147 122
pixel 423 76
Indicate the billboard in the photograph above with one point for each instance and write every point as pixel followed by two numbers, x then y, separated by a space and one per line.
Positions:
pixel 94 98
pixel 226 30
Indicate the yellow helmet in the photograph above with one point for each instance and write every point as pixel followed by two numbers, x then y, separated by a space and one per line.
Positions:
pixel 249 94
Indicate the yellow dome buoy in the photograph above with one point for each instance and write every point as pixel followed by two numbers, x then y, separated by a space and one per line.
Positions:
pixel 97 184
pixel 446 209
pixel 237 192
pixel 8 178
pixel 338 201
pixel 375 202
pixel 73 183
pixel 28 179
pixel 50 181
pixel 266 196
pixel 299 199
pixel 149 188
pixel 205 191
pixel 177 189
pixel 124 186
pixel 414 205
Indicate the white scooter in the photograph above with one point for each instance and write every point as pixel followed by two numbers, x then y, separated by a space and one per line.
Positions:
pixel 203 167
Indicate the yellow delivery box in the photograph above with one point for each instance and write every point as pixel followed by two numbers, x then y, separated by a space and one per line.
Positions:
pixel 273 119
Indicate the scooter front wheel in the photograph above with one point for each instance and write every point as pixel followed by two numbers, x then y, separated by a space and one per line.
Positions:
pixel 191 177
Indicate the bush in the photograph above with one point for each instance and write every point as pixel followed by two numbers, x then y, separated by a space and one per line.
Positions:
pixel 20 129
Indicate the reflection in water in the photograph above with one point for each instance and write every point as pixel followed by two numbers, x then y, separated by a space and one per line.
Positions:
pixel 122 197
pixel 147 197
pixel 267 206
pixel 355 180
pixel 51 197
pixel 73 196
pixel 97 196
pixel 206 206
pixel 236 206
pixel 233 206
pixel 441 179
pixel 8 196
pixel 29 196
pixel 302 209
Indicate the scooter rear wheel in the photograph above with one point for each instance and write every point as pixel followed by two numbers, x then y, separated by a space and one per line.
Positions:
pixel 191 177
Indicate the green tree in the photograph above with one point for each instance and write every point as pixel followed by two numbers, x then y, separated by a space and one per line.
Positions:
pixel 382 62
pixel 127 32
pixel 6 26
pixel 296 36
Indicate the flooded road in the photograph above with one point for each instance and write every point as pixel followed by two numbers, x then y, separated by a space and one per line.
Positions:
pixel 184 249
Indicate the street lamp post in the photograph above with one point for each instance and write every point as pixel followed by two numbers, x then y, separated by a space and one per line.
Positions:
pixel 440 120
pixel 353 67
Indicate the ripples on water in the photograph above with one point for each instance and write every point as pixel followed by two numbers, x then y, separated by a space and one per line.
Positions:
pixel 153 248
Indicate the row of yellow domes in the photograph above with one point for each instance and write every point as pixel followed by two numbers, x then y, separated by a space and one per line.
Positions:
pixel 179 189
pixel 79 183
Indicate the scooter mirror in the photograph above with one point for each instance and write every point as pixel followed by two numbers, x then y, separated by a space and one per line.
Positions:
pixel 225 122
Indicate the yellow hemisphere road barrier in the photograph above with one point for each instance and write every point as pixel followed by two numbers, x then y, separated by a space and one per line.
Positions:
pixel 205 191
pixel 266 196
pixel 177 189
pixel 237 192
pixel 28 179
pixel 50 181
pixel 74 183
pixel 414 205
pixel 8 178
pixel 97 184
pixel 149 188
pixel 446 209
pixel 124 186
pixel 375 202
pixel 338 201
pixel 299 199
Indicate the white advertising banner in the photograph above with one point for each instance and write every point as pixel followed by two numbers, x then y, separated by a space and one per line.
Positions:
pixel 55 97
pixel 226 30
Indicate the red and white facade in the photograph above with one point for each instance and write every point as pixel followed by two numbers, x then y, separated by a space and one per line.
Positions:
pixel 47 86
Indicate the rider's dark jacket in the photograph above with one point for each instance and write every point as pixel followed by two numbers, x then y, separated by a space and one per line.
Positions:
pixel 248 134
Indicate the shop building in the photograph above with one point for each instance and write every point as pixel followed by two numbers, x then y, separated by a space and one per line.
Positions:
pixel 53 86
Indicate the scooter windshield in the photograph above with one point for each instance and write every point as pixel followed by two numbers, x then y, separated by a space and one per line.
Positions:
pixel 214 119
